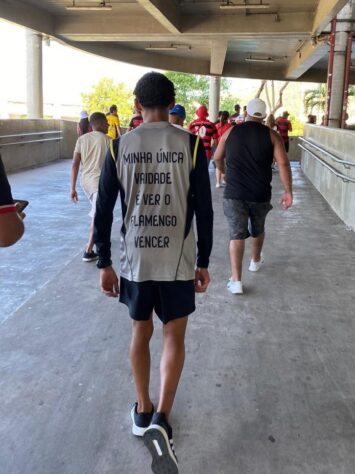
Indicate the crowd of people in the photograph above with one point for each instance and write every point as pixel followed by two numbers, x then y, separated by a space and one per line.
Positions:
pixel 159 170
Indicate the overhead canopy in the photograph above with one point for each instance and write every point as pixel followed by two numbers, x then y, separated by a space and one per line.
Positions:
pixel 284 40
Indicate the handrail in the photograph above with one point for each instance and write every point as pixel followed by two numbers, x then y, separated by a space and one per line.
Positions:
pixel 346 164
pixel 31 141
pixel 30 134
pixel 345 178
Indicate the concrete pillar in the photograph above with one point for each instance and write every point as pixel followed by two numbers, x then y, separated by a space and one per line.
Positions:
pixel 341 37
pixel 34 75
pixel 215 92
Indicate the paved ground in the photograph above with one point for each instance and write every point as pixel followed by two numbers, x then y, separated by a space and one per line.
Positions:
pixel 269 382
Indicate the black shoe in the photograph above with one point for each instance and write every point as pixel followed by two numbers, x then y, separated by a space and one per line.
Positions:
pixel 158 438
pixel 140 421
pixel 90 256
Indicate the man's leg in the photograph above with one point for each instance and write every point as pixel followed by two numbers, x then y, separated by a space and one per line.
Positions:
pixel 236 253
pixel 140 362
pixel 90 244
pixel 257 246
pixel 172 362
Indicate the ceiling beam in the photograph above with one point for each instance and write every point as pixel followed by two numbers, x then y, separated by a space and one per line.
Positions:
pixel 311 52
pixel 131 27
pixel 326 11
pixel 218 57
pixel 227 26
pixel 307 57
pixel 27 15
pixel 222 24
pixel 166 12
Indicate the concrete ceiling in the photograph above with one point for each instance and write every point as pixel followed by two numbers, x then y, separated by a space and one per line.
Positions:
pixel 207 39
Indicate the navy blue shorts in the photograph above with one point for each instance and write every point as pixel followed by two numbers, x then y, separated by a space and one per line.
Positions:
pixel 245 218
pixel 169 299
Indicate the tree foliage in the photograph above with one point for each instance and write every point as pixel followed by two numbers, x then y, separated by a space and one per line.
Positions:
pixel 106 93
pixel 315 97
pixel 193 90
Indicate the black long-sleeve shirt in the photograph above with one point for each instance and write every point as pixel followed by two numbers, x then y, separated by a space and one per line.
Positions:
pixel 161 174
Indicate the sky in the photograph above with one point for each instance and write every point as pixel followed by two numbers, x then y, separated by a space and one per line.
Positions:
pixel 66 71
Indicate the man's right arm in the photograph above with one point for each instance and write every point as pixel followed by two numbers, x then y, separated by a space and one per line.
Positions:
pixel 283 163
pixel 106 199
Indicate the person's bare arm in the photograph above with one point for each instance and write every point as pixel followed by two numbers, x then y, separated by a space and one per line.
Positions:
pixel 283 163
pixel 11 228
pixel 220 151
pixel 74 176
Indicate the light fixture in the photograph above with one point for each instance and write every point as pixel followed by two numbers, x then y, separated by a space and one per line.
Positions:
pixel 171 47
pixel 228 5
pixel 161 48
pixel 102 6
pixel 269 59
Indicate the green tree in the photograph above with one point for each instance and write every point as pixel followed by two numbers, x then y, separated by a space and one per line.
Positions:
pixel 105 93
pixel 315 97
pixel 193 90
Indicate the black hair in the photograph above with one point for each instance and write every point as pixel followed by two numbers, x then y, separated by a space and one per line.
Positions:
pixel 224 115
pixel 154 90
pixel 220 112
pixel 236 107
pixel 84 126
pixel 113 109
pixel 97 117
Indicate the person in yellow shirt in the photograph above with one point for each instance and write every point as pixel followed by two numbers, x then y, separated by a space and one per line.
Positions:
pixel 114 128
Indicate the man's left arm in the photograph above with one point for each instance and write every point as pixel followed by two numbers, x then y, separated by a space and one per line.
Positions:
pixel 204 218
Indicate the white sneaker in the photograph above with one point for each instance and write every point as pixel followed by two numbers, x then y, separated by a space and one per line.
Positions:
pixel 223 182
pixel 218 185
pixel 255 266
pixel 235 287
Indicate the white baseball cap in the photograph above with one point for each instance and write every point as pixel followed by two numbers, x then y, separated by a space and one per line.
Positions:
pixel 256 108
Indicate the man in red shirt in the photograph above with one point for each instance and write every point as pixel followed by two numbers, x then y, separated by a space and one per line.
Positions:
pixel 284 126
pixel 205 129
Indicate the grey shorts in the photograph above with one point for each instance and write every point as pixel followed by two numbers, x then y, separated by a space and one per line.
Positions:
pixel 245 218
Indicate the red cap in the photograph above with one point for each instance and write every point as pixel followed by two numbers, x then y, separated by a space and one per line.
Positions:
pixel 202 112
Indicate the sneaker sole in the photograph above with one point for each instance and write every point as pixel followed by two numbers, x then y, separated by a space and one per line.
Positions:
pixel 90 259
pixel 235 292
pixel 163 459
pixel 137 430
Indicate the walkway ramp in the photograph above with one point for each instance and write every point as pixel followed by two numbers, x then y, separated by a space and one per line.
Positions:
pixel 268 386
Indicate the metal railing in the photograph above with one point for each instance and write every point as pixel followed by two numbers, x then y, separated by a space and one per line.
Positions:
pixel 20 136
pixel 342 176
pixel 345 163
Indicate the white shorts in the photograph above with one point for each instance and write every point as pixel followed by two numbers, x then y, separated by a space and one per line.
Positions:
pixel 92 199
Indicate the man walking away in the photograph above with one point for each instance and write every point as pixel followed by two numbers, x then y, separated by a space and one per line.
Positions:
pixel 161 174
pixel 249 150
pixel 177 116
pixel 90 151
pixel 205 129
pixel 284 126
pixel 114 128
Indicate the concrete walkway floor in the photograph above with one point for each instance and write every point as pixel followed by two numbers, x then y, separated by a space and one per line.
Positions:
pixel 269 381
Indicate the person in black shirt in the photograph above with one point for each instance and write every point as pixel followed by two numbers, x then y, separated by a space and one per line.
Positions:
pixel 249 150
pixel 11 225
